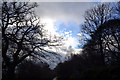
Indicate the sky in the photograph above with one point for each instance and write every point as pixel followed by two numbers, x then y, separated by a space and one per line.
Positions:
pixel 64 18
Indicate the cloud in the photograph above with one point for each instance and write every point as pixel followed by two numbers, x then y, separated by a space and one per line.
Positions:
pixel 69 13
pixel 52 30
pixel 49 26
pixel 63 10
pixel 80 34
pixel 71 41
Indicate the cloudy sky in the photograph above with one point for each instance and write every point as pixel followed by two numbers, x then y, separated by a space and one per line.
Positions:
pixel 64 18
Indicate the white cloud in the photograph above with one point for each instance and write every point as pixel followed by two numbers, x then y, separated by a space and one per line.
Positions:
pixel 55 11
pixel 49 26
pixel 71 41
pixel 66 32
pixel 80 34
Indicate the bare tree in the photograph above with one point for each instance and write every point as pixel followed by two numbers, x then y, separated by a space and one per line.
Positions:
pixel 111 40
pixel 93 19
pixel 22 36
pixel 117 8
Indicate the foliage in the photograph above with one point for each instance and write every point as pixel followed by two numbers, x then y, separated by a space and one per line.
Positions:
pixel 28 70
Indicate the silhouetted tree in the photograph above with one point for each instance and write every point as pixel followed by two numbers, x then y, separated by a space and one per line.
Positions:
pixel 109 31
pixel 71 68
pixel 23 37
pixel 102 49
pixel 93 19
pixel 111 40
pixel 28 70
pixel 91 53
pixel 117 10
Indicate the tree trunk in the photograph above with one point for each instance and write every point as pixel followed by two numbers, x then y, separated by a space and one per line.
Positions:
pixel 10 74
pixel 102 53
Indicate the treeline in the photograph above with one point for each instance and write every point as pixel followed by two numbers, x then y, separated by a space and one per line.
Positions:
pixel 100 58
pixel 21 49
pixel 30 70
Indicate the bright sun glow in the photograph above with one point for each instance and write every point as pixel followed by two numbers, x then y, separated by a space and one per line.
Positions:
pixel 49 26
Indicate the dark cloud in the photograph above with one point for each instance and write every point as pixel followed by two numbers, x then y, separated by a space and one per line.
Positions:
pixel 63 10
